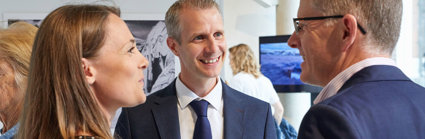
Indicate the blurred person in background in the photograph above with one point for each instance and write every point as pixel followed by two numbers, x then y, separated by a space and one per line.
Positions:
pixel 247 78
pixel 15 52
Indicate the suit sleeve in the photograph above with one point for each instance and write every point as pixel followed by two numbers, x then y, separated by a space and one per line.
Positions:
pixel 323 121
pixel 270 125
pixel 122 130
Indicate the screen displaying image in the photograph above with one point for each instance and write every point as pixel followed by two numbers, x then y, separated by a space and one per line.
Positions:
pixel 281 63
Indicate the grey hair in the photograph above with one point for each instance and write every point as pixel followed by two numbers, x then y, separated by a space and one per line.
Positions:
pixel 380 18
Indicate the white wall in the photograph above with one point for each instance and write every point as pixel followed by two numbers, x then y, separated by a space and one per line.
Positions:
pixel 244 22
pixel 158 7
pixel 406 51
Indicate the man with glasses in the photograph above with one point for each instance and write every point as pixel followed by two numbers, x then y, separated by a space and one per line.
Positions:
pixel 346 46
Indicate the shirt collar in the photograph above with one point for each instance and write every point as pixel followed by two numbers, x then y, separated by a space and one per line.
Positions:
pixel 336 83
pixel 185 95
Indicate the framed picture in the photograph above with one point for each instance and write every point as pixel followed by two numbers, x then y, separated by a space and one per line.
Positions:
pixel 32 18
pixel 151 38
pixel 150 34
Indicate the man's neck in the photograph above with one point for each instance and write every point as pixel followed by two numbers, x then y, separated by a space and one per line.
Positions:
pixel 352 56
pixel 200 86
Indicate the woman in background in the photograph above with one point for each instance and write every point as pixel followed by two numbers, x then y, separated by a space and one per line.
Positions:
pixel 249 80
pixel 84 66
pixel 15 52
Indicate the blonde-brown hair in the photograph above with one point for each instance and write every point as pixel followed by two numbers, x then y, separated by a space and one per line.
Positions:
pixel 59 102
pixel 172 17
pixel 15 48
pixel 243 60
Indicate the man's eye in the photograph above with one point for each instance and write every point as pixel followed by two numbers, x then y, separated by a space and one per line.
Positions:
pixel 198 38
pixel 299 27
pixel 218 35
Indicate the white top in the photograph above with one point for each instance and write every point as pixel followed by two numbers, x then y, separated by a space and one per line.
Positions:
pixel 261 87
pixel 187 116
pixel 336 83
pixel 1 127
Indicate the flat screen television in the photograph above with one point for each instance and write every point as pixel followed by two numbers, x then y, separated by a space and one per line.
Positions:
pixel 282 64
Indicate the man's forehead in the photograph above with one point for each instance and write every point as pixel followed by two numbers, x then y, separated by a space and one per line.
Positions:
pixel 306 9
pixel 187 15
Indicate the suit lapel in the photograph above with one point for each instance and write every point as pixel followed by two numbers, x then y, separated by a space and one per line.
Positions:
pixel 165 113
pixel 233 114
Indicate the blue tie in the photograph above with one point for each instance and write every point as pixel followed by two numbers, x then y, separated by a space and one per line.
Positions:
pixel 202 126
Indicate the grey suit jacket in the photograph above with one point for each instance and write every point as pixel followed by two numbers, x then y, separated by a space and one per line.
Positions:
pixel 245 117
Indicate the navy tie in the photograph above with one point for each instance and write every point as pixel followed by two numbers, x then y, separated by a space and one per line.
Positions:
pixel 202 126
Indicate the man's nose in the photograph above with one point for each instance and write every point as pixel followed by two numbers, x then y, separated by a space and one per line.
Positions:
pixel 212 45
pixel 292 40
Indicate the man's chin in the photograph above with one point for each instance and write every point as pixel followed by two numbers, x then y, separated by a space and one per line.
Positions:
pixel 212 74
pixel 304 79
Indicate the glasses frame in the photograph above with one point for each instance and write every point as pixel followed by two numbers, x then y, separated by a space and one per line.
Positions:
pixel 296 22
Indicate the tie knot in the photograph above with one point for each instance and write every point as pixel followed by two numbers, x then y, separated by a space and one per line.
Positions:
pixel 200 107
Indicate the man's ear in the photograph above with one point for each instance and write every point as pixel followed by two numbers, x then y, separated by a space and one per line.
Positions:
pixel 172 44
pixel 350 31
pixel 89 71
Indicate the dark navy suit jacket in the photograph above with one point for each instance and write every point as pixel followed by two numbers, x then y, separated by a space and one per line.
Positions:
pixel 245 117
pixel 378 102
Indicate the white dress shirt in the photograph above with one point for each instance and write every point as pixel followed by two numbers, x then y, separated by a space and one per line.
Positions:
pixel 336 83
pixel 187 116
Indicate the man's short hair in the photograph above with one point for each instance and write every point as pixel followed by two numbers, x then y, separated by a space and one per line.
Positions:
pixel 172 20
pixel 380 18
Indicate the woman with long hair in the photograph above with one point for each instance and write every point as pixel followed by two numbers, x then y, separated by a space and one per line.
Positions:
pixel 84 66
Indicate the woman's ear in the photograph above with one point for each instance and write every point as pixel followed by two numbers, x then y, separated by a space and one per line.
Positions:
pixel 89 71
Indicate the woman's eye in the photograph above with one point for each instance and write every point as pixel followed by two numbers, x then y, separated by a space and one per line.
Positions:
pixel 131 50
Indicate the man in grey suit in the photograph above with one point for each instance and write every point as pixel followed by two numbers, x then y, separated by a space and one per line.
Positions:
pixel 196 36
pixel 346 46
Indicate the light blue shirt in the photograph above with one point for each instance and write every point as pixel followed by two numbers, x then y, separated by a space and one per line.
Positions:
pixel 10 133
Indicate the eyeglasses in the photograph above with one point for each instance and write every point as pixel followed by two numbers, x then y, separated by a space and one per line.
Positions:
pixel 298 27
